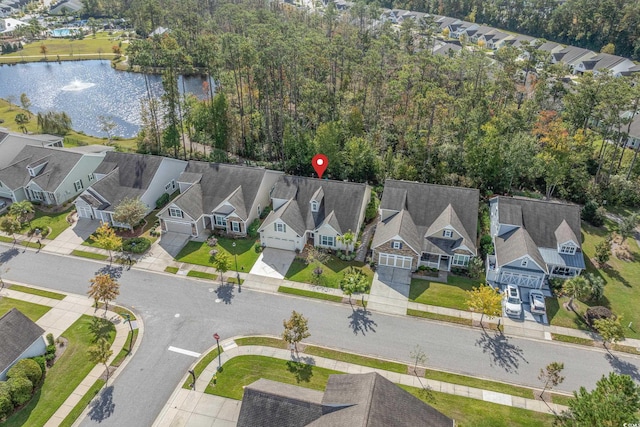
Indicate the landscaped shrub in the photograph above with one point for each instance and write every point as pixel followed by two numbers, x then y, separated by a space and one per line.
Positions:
pixel 598 313
pixel 163 200
pixel 258 247
pixel 593 214
pixel 212 241
pixel 40 360
pixel 137 245
pixel 6 404
pixel 50 355
pixel 252 231
pixel 50 340
pixel 265 212
pixel 26 368
pixel 20 389
pixel 486 246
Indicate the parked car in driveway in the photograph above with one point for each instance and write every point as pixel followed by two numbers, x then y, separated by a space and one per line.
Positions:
pixel 513 303
pixel 536 300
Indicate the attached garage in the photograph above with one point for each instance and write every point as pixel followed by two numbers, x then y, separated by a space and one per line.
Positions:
pixel 178 227
pixel 520 279
pixel 278 243
pixel 85 211
pixel 398 261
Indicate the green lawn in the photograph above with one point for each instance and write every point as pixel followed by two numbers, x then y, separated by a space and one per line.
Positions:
pixel 61 379
pixel 39 292
pixel 244 370
pixel 202 275
pixel 622 290
pixel 90 255
pixel 451 294
pixel 332 271
pixel 201 366
pixel 29 309
pixel 82 404
pixel 172 270
pixel 439 317
pixel 56 221
pixel 309 294
pixel 198 253
pixel 479 383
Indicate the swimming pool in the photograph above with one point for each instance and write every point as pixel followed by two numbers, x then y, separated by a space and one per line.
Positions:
pixel 63 32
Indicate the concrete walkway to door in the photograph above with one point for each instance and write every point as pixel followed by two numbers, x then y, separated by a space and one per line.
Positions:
pixel 390 290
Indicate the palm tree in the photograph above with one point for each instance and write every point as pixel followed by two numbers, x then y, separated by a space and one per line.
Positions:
pixel 576 287
pixel 23 211
pixel 347 239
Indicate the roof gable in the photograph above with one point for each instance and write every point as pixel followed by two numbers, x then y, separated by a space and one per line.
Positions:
pixel 402 225
pixel 515 245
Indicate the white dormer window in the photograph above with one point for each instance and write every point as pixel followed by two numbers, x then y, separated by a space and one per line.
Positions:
pixel 396 245
pixel 314 206
pixel 31 172
pixel 568 249
pixel 175 212
pixel 524 262
pixel 280 227
pixel 447 233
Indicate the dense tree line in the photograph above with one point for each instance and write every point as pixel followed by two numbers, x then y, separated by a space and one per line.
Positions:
pixel 591 24
pixel 373 99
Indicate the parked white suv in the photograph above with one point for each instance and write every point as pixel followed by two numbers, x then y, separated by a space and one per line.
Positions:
pixel 513 303
pixel 536 300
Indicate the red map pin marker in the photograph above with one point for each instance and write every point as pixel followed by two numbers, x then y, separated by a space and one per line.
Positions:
pixel 320 163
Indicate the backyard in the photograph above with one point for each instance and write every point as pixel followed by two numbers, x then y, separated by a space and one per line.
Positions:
pixel 65 375
pixel 244 370
pixel 621 293
pixel 451 294
pixel 198 253
pixel 332 271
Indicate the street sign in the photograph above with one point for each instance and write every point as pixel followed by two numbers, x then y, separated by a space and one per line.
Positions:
pixel 216 337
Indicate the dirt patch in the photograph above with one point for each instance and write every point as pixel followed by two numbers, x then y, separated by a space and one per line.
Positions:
pixel 620 249
pixel 418 371
pixel 61 347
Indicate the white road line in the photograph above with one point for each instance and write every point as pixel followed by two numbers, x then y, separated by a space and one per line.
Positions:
pixel 183 351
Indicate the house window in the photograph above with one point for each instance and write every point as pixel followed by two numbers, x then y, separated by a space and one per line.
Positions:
pixel 36 195
pixel 396 245
pixel 280 227
pixel 175 213
pixel 235 226
pixel 327 241
pixel 78 185
pixel 447 233
pixel 461 260
pixel 568 249
pixel 524 262
pixel 314 206
pixel 259 210
pixel 91 177
pixel 220 221
pixel 170 186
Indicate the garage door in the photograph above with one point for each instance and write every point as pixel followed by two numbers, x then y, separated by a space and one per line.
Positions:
pixel 275 242
pixel 519 279
pixel 178 227
pixel 85 212
pixel 395 261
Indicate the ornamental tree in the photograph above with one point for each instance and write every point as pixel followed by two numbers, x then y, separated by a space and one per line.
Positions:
pixel 130 211
pixel 486 300
pixel 295 329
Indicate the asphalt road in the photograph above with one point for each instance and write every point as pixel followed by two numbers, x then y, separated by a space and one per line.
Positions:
pixel 182 313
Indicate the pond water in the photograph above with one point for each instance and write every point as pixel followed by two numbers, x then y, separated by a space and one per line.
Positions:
pixel 86 90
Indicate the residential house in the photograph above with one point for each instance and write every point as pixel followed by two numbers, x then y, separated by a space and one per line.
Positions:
pixel 604 62
pixel 473 33
pixel 426 224
pixel 8 25
pixel 316 211
pixel 21 338
pixel 11 143
pixel 630 71
pixel 125 175
pixel 550 48
pixel 445 49
pixel 48 175
pixel 571 56
pixel 633 137
pixel 459 28
pixel 444 22
pixel 218 196
pixel 519 40
pixel 367 400
pixel 533 240
pixel 494 39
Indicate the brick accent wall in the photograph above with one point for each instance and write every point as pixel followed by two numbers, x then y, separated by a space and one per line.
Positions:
pixel 242 231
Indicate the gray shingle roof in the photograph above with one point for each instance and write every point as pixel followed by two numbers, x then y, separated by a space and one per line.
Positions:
pixel 17 333
pixel 366 400
pixel 515 244
pixel 59 164
pixel 427 202
pixel 540 218
pixel 344 199
pixel 130 178
pixel 564 233
pixel 400 224
pixel 217 183
pixel 290 214
pixel 570 54
pixel 270 403
pixel 11 143
pixel 602 61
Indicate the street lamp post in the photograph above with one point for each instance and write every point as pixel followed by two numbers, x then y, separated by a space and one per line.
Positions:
pixel 217 338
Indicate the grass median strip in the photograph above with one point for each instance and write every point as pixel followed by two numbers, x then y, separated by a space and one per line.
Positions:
pixel 126 349
pixel 309 294
pixel 33 245
pixel 82 404
pixel 202 275
pixel 172 270
pixel 572 340
pixel 201 366
pixel 479 383
pixel 90 255
pixel 439 317
pixel 39 292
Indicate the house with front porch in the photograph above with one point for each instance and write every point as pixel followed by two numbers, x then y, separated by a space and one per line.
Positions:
pixel 426 225
pixel 48 175
pixel 604 63
pixel 533 240
pixel 128 176
pixel 218 197
pixel 314 211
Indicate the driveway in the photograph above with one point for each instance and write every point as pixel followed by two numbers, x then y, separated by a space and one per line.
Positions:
pixel 273 263
pixel 390 290
pixel 163 251
pixel 73 236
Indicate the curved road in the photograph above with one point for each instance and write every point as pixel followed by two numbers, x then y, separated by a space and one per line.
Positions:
pixel 182 313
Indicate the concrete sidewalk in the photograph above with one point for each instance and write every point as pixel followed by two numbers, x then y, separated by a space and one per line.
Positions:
pixel 60 317
pixel 193 408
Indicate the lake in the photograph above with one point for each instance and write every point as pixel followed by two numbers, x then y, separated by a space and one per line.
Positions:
pixel 86 90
